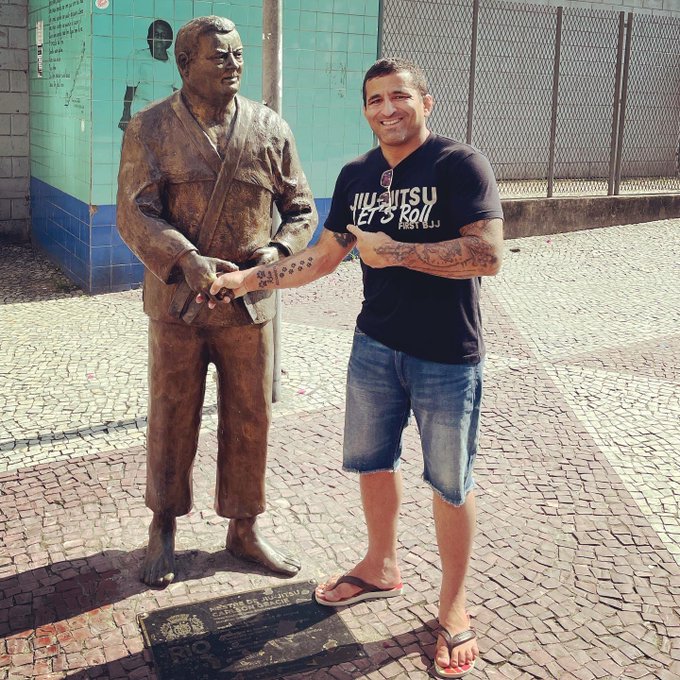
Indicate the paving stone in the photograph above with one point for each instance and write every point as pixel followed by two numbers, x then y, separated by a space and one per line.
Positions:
pixel 576 567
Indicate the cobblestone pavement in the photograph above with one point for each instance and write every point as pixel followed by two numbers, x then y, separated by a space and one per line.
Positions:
pixel 576 567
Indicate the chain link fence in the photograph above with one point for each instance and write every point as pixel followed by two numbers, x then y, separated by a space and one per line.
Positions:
pixel 563 101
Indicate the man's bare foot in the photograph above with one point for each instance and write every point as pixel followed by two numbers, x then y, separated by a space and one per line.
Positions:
pixel 158 568
pixel 386 577
pixel 245 542
pixel 455 622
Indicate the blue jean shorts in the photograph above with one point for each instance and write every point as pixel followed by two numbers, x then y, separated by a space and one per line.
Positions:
pixel 384 386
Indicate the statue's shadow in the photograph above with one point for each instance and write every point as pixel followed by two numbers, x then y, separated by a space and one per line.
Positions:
pixel 63 590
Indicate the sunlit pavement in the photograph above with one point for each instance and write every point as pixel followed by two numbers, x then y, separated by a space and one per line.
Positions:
pixel 576 567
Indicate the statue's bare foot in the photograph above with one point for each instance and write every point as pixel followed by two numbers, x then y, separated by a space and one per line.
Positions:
pixel 245 542
pixel 158 568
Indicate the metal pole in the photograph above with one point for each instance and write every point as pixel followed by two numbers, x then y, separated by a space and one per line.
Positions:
pixel 617 104
pixel 555 93
pixel 473 68
pixel 272 88
pixel 381 18
pixel 624 96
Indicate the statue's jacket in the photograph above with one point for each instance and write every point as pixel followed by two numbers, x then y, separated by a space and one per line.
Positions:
pixel 168 170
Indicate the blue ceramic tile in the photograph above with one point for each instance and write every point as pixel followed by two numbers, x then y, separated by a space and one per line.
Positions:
pixel 100 236
pixel 120 275
pixel 121 255
pixel 104 215
pixel 100 279
pixel 82 251
pixel 70 242
pixel 100 257
pixel 116 239
pixel 73 226
pixel 84 232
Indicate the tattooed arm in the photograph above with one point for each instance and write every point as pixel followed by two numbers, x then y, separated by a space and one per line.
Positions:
pixel 312 263
pixel 478 251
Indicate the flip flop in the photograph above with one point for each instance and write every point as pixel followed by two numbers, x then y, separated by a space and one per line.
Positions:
pixel 453 641
pixel 368 592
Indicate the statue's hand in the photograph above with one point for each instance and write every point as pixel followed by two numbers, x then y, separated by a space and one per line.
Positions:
pixel 265 255
pixel 218 267
pixel 222 266
pixel 198 271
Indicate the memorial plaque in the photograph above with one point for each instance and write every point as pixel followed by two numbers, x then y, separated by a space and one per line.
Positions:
pixel 258 634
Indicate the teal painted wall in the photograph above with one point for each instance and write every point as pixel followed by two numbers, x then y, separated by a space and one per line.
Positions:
pixel 60 106
pixel 325 54
pixel 95 49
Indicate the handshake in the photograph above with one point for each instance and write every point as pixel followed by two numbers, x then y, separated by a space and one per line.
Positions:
pixel 215 280
pixel 226 287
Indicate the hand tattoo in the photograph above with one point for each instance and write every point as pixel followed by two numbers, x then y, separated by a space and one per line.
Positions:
pixel 273 275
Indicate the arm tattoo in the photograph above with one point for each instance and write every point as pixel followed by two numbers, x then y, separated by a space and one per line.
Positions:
pixel 397 251
pixel 276 275
pixel 344 239
pixel 466 255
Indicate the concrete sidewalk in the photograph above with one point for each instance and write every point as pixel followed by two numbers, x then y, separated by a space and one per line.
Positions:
pixel 576 568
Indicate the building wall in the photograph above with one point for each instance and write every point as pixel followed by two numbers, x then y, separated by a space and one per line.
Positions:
pixel 14 171
pixel 61 134
pixel 91 52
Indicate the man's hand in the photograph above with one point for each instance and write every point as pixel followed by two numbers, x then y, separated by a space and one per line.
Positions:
pixel 375 248
pixel 226 287
pixel 199 272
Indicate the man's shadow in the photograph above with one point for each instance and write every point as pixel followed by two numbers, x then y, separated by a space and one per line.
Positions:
pixel 62 590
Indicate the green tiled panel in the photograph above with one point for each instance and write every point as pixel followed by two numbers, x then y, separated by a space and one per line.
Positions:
pixel 338 42
pixel 77 104
pixel 61 99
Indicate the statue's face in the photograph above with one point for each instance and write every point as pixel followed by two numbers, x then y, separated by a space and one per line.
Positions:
pixel 214 74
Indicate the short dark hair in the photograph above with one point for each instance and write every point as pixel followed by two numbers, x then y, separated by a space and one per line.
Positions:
pixel 158 22
pixel 189 35
pixel 389 65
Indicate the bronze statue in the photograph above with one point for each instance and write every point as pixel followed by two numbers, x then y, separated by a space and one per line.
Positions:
pixel 199 174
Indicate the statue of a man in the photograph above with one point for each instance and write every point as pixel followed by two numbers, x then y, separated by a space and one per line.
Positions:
pixel 199 174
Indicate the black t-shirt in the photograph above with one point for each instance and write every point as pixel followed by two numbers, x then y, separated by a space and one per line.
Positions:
pixel 439 188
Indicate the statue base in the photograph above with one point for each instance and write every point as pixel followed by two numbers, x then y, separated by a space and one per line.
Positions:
pixel 258 634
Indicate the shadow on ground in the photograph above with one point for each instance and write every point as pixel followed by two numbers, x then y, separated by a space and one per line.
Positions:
pixel 67 589
pixel 28 276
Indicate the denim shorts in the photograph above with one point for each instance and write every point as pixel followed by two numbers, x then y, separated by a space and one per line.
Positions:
pixel 384 386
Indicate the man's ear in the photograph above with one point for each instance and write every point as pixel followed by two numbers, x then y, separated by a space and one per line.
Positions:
pixel 428 103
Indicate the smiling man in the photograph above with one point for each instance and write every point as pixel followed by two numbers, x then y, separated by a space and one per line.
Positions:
pixel 199 174
pixel 425 215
